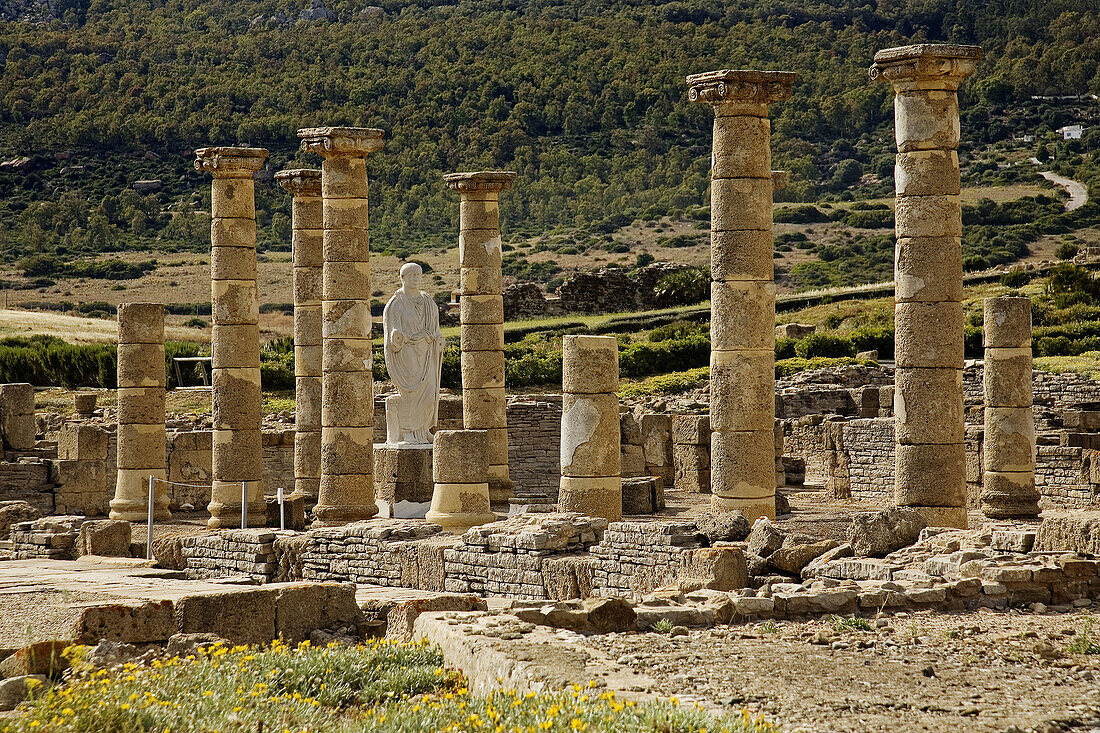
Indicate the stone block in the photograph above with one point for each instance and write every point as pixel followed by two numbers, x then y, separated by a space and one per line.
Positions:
pixel 1009 440
pixel 930 475
pixel 632 461
pixel 294 511
pixel 39 658
pixel 346 450
pixel 129 623
pixel 459 456
pixel 594 496
pixel 237 455
pixel 345 393
pixel 105 537
pixel 642 495
pixel 481 309
pixel 742 315
pixel 235 346
pixel 141 446
pixel 691 430
pixel 741 255
pixel 590 365
pixel 1008 377
pixel 590 434
pixel 720 568
pixel 480 247
pixel 656 432
pixel 403 474
pixel 926 173
pixel 141 405
pixel 246 616
pixel 140 323
pixel 484 409
pixel 351 281
pixel 304 607
pixel 233 198
pixel 880 533
pixel 141 365
pixel 742 385
pixel 928 405
pixel 84 403
pixel 741 203
pixel 348 319
pixel 743 464
pixel 928 216
pixel 1007 322
pixel 343 176
pixel 479 214
pixel 740 147
pixel 237 232
pixel 482 369
pixel 926 120
pixel 481 281
pixel 234 262
pixel 234 302
pixel 927 269
pixel 482 337
pixel 82 443
pixel 1009 494
pixel 929 335
pixel 400 618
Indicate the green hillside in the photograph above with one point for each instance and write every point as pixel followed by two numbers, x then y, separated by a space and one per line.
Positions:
pixel 586 100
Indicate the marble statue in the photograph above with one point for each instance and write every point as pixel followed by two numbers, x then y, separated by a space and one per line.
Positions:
pixel 414 359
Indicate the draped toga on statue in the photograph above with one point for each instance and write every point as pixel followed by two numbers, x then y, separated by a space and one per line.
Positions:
pixel 414 356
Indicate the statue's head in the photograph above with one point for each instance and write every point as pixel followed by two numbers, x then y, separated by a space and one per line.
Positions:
pixel 411 273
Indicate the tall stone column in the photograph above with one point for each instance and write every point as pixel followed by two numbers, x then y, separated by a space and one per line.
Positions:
pixel 346 490
pixel 235 338
pixel 484 404
pixel 591 469
pixel 308 259
pixel 142 440
pixel 742 294
pixel 930 467
pixel 1008 481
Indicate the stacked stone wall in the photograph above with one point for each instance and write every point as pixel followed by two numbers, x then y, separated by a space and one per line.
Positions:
pixel 636 557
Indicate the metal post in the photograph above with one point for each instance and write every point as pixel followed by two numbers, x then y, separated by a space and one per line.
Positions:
pixel 282 514
pixel 244 505
pixel 149 524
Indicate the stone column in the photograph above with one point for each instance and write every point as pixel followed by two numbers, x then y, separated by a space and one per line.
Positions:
pixel 1008 481
pixel 482 315
pixel 591 478
pixel 308 259
pixel 930 467
pixel 235 338
pixel 142 439
pixel 460 469
pixel 742 295
pixel 346 490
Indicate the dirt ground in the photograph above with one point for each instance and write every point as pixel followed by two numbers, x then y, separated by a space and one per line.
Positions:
pixel 979 671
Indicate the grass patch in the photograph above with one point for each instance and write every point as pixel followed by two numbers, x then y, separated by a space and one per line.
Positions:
pixel 666 384
pixel 1084 642
pixel 851 624
pixel 378 687
pixel 1086 364
pixel 794 365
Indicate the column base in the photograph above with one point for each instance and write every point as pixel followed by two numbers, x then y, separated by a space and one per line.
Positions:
pixel 753 509
pixel 228 516
pixel 1007 495
pixel 943 516
pixel 307 488
pixel 132 496
pixel 597 497
pixel 403 485
pixel 335 516
pixel 457 507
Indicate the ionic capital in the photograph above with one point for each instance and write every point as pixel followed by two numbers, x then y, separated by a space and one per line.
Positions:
pixel 749 87
pixel 354 142
pixel 230 162
pixel 300 181
pixel 488 181
pixel 926 66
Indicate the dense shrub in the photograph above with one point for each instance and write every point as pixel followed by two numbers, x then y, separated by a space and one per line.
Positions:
pixel 823 344
pixel 800 215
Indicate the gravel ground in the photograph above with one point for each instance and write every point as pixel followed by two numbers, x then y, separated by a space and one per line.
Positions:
pixel 980 671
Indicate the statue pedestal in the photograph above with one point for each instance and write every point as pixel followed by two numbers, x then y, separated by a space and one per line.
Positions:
pixel 403 482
